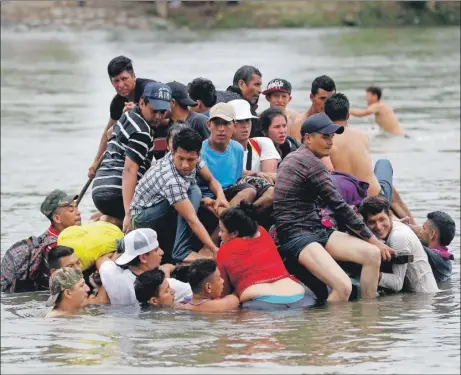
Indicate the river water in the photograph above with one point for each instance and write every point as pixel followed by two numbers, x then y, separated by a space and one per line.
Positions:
pixel 55 102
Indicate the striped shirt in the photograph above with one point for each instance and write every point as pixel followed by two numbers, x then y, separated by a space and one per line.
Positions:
pixel 132 137
pixel 304 186
pixel 163 181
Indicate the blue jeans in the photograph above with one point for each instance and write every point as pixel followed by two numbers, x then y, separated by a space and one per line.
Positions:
pixel 383 172
pixel 152 216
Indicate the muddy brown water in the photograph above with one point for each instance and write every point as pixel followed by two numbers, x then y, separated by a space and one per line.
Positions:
pixel 55 102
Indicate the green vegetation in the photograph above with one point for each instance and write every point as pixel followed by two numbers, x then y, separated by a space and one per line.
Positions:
pixel 263 14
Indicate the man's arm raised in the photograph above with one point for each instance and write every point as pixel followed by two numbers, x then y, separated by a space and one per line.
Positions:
pixel 372 109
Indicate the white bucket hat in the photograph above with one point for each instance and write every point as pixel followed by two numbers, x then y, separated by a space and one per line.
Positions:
pixel 242 109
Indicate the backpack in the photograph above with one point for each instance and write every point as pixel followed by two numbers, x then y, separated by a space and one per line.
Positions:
pixel 22 262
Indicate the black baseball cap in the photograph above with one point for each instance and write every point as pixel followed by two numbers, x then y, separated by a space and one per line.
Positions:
pixel 180 94
pixel 320 123
pixel 278 85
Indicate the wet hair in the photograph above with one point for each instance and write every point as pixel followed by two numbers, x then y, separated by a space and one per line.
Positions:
pixel 266 118
pixel 444 225
pixel 174 129
pixel 373 205
pixel 181 273
pixel 199 271
pixel 203 89
pixel 337 107
pixel 324 83
pixel 147 284
pixel 375 90
pixel 119 65
pixel 240 219
pixel 245 73
pixel 56 253
pixel 188 139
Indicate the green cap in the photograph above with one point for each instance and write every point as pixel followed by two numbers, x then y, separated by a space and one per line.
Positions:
pixel 62 279
pixel 57 198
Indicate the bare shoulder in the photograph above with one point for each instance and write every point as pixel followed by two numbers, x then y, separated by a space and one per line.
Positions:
pixel 384 107
pixel 377 107
pixel 291 113
pixel 355 133
pixel 55 313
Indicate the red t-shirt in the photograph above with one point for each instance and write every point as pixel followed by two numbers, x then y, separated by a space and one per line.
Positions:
pixel 244 262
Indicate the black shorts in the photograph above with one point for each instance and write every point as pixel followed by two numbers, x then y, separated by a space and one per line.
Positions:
pixel 231 191
pixel 109 204
pixel 294 246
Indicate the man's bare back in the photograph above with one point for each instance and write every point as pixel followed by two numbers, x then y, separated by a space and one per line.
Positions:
pixel 384 117
pixel 293 124
pixel 351 154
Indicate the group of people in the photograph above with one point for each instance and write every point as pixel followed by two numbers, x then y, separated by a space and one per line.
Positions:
pixel 206 204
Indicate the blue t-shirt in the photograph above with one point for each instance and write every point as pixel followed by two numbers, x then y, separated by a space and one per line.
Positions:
pixel 226 166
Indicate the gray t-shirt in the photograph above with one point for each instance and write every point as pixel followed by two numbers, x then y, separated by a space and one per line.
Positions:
pixel 198 122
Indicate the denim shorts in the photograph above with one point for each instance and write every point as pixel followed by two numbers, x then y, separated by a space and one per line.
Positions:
pixel 294 246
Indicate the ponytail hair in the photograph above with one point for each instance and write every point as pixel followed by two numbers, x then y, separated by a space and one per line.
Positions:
pixel 240 219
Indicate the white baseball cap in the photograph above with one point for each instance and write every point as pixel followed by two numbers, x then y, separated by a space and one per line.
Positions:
pixel 137 242
pixel 242 109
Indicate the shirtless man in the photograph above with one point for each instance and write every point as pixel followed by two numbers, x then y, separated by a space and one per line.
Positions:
pixel 384 115
pixel 278 94
pixel 351 154
pixel 322 87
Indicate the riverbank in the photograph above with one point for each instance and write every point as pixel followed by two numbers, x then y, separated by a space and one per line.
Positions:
pixel 267 14
pixel 103 14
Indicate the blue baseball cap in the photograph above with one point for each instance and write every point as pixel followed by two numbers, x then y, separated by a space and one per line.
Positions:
pixel 320 123
pixel 159 95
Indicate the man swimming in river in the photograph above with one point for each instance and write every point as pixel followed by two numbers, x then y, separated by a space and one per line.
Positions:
pixel 384 114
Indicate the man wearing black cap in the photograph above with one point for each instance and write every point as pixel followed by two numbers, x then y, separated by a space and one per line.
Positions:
pixel 278 94
pixel 303 186
pixel 129 154
pixel 180 112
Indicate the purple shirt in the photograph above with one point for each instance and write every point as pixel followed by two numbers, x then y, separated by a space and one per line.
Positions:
pixel 353 190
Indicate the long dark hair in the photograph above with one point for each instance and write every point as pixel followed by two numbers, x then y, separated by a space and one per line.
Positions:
pixel 241 219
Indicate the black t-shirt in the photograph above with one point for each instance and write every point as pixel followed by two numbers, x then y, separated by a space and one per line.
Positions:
pixel 288 147
pixel 198 122
pixel 118 102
